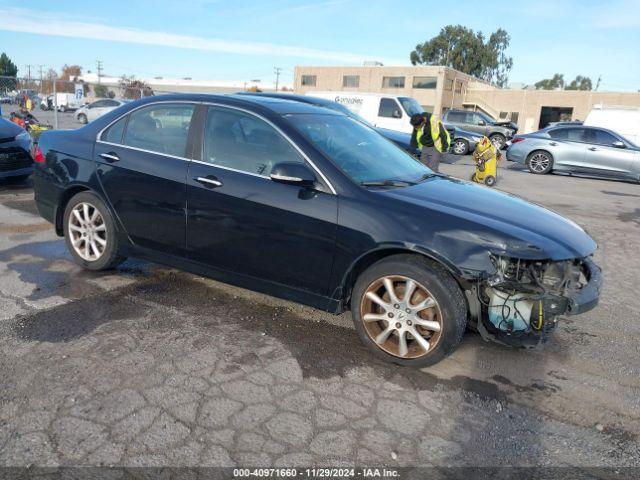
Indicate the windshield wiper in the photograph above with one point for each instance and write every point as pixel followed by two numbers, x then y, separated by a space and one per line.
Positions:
pixel 427 176
pixel 387 183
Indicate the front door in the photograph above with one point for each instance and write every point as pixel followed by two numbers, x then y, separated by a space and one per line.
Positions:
pixel 241 221
pixel 602 155
pixel 390 116
pixel 142 167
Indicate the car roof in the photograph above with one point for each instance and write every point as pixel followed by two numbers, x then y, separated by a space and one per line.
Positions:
pixel 290 96
pixel 275 105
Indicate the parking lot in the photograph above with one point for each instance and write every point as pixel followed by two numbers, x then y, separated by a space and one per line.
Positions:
pixel 150 366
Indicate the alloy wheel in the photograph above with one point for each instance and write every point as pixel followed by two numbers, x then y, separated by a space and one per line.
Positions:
pixel 87 231
pixel 497 141
pixel 539 162
pixel 401 316
pixel 459 147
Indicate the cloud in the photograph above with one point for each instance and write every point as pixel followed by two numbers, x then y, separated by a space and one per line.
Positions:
pixel 31 21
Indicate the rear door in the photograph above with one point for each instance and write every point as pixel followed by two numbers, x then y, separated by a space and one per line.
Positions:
pixel 241 221
pixel 567 147
pixel 142 165
pixel 601 155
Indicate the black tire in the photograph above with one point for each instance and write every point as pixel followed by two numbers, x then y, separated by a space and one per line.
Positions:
pixel 82 118
pixel 110 257
pixel 498 140
pixel 540 162
pixel 460 146
pixel 473 177
pixel 489 180
pixel 441 286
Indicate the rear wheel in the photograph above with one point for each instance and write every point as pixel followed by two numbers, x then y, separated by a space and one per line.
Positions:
pixel 540 162
pixel 408 310
pixel 90 233
pixel 460 146
pixel 489 180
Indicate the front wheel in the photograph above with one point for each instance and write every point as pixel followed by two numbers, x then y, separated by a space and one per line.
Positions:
pixel 90 233
pixel 82 118
pixel 489 180
pixel 460 146
pixel 408 310
pixel 498 140
pixel 540 162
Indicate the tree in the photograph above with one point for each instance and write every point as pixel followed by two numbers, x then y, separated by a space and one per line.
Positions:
pixel 7 69
pixel 467 51
pixel 101 91
pixel 66 80
pixel 553 83
pixel 134 89
pixel 580 83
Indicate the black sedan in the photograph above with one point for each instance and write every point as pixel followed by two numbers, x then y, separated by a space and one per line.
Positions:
pixel 307 204
pixel 15 152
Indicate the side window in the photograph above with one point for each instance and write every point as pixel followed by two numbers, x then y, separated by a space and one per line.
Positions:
pixel 389 108
pixel 244 142
pixel 98 104
pixel 603 138
pixel 456 117
pixel 569 134
pixel 111 103
pixel 114 133
pixel 162 128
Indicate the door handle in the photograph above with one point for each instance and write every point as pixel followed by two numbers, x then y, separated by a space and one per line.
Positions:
pixel 593 149
pixel 553 144
pixel 209 181
pixel 110 157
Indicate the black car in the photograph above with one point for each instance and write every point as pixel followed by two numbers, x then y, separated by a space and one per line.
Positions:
pixel 15 151
pixel 307 204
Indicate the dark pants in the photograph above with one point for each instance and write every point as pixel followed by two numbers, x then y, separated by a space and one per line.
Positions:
pixel 431 157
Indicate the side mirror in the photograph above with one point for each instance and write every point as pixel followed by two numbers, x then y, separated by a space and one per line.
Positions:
pixel 397 114
pixel 481 122
pixel 618 144
pixel 293 173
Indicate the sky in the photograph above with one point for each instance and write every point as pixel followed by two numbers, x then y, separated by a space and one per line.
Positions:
pixel 245 40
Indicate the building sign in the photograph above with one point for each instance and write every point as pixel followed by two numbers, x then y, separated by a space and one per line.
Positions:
pixel 79 88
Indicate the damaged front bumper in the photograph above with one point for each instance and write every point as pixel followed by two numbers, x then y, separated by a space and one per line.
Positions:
pixel 519 304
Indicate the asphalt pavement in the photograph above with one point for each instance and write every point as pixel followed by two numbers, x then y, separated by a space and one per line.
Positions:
pixel 150 366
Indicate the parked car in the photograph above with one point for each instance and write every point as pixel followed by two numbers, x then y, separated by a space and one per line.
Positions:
pixel 391 112
pixel 6 99
pixel 461 142
pixel 15 151
pixel 567 123
pixel 90 112
pixel 624 120
pixel 499 132
pixel 579 149
pixel 304 203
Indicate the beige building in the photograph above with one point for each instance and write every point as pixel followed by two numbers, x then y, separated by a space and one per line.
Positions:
pixel 441 88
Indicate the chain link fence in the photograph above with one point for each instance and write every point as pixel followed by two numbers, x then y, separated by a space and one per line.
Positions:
pixel 23 98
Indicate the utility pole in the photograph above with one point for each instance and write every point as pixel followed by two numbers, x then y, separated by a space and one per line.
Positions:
pixel 40 68
pixel 598 83
pixel 277 71
pixel 99 68
pixel 28 67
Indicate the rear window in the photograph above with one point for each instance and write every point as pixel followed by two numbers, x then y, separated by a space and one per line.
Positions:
pixel 160 128
pixel 113 134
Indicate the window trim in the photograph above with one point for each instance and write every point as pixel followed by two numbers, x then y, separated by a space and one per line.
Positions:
pixel 196 103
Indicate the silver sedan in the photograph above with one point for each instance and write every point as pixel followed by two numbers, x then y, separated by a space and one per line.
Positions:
pixel 580 149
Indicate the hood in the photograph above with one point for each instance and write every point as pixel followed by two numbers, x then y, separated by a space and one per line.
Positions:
pixel 506 123
pixel 503 223
pixel 9 129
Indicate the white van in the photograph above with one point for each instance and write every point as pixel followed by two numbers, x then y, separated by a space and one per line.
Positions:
pixel 622 120
pixel 68 101
pixel 392 112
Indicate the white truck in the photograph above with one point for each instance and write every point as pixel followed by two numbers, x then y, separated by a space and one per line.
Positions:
pixel 68 102
pixel 392 112
pixel 623 120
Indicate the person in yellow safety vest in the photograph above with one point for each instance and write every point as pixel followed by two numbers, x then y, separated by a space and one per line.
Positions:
pixel 430 136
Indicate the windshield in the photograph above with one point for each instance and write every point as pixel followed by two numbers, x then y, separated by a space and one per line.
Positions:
pixel 364 155
pixel 486 117
pixel 410 105
pixel 342 109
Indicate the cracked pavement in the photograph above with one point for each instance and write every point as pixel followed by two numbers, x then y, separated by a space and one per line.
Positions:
pixel 149 366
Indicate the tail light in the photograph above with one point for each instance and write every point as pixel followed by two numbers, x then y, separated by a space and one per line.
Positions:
pixel 37 155
pixel 517 139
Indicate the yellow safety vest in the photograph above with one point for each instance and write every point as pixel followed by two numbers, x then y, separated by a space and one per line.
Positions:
pixel 435 134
